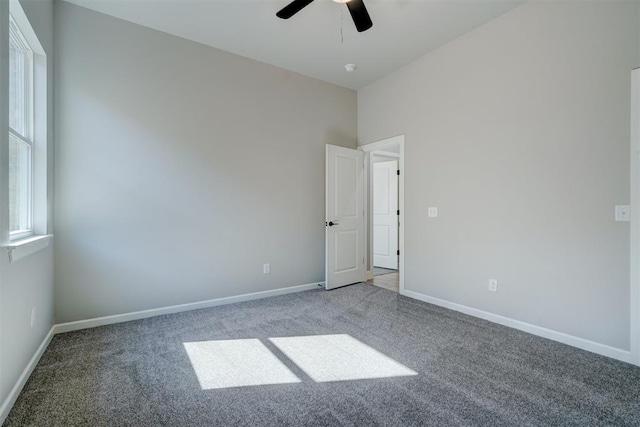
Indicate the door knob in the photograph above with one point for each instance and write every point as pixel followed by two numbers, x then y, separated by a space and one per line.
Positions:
pixel 331 223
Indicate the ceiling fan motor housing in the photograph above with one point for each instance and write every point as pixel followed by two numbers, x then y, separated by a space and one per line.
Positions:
pixel 357 9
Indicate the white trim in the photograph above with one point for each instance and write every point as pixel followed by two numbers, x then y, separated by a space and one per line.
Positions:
pixel 40 150
pixel 136 315
pixel 374 148
pixel 379 145
pixel 22 380
pixel 634 289
pixel 382 153
pixel 22 248
pixel 561 337
pixel 19 235
pixel 21 20
pixel 22 138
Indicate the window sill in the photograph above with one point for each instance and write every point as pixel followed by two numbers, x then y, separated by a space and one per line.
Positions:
pixel 24 247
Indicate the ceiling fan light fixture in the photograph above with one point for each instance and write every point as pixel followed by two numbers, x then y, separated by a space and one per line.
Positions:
pixel 357 9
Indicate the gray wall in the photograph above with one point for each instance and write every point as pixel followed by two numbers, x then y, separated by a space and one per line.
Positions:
pixel 181 169
pixel 29 282
pixel 519 133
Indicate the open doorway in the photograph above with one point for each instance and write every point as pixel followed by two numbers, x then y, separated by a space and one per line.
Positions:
pixel 384 198
pixel 384 206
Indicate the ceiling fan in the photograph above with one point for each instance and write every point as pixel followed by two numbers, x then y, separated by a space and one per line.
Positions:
pixel 356 8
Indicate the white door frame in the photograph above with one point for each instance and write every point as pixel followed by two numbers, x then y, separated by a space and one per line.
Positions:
pixel 379 146
pixel 635 219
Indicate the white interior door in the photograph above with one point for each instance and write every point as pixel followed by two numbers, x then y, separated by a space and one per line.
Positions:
pixel 385 214
pixel 344 237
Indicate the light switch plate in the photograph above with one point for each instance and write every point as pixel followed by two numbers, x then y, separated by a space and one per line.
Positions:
pixel 622 212
pixel 432 212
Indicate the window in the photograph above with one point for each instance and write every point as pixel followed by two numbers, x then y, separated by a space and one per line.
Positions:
pixel 21 134
pixel 29 137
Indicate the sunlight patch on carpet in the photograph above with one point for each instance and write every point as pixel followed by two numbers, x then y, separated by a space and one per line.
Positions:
pixel 236 363
pixel 339 358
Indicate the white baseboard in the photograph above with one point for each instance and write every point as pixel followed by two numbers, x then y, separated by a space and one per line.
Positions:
pixel 368 275
pixel 126 317
pixel 571 340
pixel 26 373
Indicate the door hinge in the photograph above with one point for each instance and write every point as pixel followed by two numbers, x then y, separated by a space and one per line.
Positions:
pixel 398 172
pixel 398 251
pixel 398 212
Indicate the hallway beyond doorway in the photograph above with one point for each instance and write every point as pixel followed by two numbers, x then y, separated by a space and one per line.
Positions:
pixel 387 281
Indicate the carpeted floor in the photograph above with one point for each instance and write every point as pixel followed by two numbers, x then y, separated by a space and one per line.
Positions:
pixel 469 371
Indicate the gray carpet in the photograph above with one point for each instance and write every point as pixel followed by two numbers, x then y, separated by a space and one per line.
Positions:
pixel 379 271
pixel 470 372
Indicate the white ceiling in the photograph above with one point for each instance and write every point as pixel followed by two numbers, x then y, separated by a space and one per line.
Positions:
pixel 321 38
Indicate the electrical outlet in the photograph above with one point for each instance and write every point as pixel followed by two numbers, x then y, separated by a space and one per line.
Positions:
pixel 266 269
pixel 493 285
pixel 33 317
pixel 432 212
pixel 622 213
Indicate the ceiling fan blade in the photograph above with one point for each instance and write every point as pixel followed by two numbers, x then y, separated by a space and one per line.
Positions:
pixel 292 8
pixel 360 15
